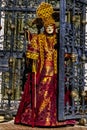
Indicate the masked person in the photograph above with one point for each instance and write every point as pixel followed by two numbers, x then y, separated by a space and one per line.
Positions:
pixel 38 106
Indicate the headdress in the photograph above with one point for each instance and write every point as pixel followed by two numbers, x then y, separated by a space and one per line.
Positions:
pixel 45 11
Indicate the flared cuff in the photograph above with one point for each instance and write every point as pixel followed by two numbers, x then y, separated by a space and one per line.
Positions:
pixel 32 55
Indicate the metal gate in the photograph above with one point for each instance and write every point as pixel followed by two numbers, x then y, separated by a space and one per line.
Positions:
pixel 72 101
pixel 15 20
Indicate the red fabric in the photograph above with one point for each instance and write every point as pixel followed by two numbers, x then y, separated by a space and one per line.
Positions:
pixel 29 115
pixel 25 100
pixel 41 88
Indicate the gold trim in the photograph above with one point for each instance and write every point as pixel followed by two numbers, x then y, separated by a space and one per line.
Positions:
pixel 32 55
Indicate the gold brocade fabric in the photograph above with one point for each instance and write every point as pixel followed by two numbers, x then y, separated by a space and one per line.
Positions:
pixel 39 102
pixel 42 47
pixel 40 44
pixel 31 55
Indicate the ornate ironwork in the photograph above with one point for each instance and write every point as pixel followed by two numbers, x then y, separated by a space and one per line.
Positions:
pixel 72 72
pixel 15 20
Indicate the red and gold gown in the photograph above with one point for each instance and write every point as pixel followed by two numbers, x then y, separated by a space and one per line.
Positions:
pixel 38 106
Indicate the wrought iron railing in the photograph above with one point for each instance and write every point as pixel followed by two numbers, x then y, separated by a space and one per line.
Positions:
pixel 15 19
pixel 72 81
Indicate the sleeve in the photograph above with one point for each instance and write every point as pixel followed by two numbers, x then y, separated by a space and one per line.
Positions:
pixel 33 50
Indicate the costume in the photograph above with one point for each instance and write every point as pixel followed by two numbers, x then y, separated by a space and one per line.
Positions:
pixel 38 106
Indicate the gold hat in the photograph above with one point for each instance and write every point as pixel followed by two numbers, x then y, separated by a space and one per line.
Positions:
pixel 45 11
pixel 49 21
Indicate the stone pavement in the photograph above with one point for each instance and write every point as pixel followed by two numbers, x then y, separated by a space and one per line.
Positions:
pixel 11 126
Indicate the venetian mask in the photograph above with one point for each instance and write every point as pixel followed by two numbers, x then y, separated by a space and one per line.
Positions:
pixel 50 29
